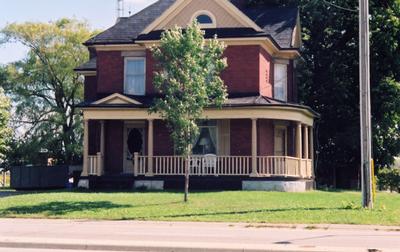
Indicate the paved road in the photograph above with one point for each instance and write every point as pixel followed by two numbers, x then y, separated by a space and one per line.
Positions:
pixel 181 236
pixel 52 250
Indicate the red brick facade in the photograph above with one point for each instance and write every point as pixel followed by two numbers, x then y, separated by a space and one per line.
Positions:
pixel 110 72
pixel 249 72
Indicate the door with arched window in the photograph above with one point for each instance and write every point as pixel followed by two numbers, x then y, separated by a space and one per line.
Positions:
pixel 134 136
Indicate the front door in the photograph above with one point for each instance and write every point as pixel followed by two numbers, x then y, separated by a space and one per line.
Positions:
pixel 133 142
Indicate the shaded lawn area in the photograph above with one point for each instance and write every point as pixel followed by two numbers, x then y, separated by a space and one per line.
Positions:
pixel 229 206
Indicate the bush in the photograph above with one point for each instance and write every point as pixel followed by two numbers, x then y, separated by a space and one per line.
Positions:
pixel 389 179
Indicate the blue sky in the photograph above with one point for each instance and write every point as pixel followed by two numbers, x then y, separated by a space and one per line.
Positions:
pixel 99 13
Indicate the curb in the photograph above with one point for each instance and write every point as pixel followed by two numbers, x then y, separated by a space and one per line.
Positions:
pixel 177 248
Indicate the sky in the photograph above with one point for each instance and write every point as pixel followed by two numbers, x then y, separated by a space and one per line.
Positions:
pixel 100 14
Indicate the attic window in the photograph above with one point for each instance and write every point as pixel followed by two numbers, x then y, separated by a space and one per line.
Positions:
pixel 205 19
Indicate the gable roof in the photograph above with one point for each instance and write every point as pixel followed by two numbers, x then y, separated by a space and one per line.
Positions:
pixel 279 22
pixel 276 22
pixel 128 28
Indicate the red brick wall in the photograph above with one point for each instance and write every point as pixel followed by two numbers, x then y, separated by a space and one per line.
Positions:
pixel 110 72
pixel 249 71
pixel 266 73
pixel 240 137
pixel 163 144
pixel 265 136
pixel 150 68
pixel 114 146
pixel 242 73
pixel 90 88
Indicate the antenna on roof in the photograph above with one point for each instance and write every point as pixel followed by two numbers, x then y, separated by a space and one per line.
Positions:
pixel 120 9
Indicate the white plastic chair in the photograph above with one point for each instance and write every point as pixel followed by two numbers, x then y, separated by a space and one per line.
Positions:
pixel 210 163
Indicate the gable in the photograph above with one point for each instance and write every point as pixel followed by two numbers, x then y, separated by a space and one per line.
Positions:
pixel 222 17
pixel 116 99
pixel 225 14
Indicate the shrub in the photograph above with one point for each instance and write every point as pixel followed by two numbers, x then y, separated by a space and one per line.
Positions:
pixel 389 179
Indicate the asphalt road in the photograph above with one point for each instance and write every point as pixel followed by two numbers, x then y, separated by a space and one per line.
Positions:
pixel 183 236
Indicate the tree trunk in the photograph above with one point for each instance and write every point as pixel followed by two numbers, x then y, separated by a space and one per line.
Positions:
pixel 186 179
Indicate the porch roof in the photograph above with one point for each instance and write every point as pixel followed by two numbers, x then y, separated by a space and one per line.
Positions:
pixel 120 107
pixel 232 101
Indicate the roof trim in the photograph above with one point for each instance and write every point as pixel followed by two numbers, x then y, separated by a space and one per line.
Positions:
pixel 266 42
pixel 86 72
pixel 116 96
pixel 179 4
pixel 165 15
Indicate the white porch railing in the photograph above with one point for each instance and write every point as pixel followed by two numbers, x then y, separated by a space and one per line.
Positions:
pixel 267 166
pixel 94 164
pixel 285 166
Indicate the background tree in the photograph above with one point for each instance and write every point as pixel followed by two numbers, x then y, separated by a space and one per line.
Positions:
pixel 44 88
pixel 5 130
pixel 188 80
pixel 329 82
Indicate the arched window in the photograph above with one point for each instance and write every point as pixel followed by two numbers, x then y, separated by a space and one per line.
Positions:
pixel 205 19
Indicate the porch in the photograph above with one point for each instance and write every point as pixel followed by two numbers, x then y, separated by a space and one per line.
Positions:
pixel 291 157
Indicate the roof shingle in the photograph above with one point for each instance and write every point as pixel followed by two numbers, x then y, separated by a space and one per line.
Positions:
pixel 276 22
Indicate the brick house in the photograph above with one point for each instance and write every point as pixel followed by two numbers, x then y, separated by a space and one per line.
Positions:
pixel 261 138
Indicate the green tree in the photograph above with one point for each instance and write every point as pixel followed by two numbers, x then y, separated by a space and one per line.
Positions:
pixel 329 81
pixel 188 80
pixel 5 130
pixel 44 88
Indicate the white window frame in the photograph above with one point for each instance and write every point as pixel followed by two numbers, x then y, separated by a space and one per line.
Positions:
pixel 126 59
pixel 205 12
pixel 285 129
pixel 217 135
pixel 283 63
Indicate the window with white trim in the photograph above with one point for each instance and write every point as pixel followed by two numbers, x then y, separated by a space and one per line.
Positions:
pixel 135 76
pixel 205 19
pixel 207 140
pixel 280 81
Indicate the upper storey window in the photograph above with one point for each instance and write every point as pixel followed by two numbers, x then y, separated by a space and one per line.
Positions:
pixel 135 72
pixel 280 81
pixel 205 19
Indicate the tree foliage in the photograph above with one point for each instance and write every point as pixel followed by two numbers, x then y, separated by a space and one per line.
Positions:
pixel 188 80
pixel 5 130
pixel 329 81
pixel 44 88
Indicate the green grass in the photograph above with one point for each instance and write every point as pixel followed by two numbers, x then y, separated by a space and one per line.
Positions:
pixel 230 206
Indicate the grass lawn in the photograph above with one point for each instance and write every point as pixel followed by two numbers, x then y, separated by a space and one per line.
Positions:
pixel 229 206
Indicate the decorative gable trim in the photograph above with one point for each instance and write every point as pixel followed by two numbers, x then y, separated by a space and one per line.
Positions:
pixel 117 99
pixel 296 35
pixel 180 4
pixel 164 16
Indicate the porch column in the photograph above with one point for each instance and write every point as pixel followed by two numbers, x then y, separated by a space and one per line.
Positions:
pixel 306 139
pixel 253 147
pixel 102 146
pixel 299 153
pixel 311 132
pixel 85 147
pixel 150 147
